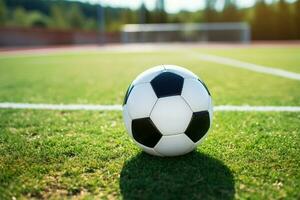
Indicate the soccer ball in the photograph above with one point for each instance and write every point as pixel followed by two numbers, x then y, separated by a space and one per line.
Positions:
pixel 167 110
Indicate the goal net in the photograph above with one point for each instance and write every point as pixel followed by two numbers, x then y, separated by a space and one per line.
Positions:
pixel 201 32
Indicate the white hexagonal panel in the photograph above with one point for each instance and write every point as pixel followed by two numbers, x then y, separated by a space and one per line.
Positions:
pixel 171 115
pixel 181 71
pixel 148 75
pixel 127 120
pixel 174 145
pixel 148 150
pixel 196 95
pixel 141 101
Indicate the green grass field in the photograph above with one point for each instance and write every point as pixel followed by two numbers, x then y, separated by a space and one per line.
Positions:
pixel 88 155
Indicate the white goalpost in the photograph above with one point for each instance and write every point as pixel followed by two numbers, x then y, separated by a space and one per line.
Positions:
pixel 194 32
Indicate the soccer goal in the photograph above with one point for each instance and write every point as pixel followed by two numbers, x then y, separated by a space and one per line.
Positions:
pixel 201 32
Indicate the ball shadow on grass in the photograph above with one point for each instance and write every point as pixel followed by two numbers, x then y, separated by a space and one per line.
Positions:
pixel 193 176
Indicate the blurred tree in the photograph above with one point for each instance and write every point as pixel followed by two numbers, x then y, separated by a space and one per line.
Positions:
pixel 297 18
pixel 159 14
pixel 75 17
pixel 230 12
pixel 58 17
pixel 185 17
pixel 23 18
pixel 210 14
pixel 129 16
pixel 144 14
pixel 90 24
pixel 112 19
pixel 42 6
pixel 284 21
pixel 37 19
pixel 3 13
pixel 263 23
pixel 19 18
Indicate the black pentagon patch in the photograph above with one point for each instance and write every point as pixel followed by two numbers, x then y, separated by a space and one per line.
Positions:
pixel 167 84
pixel 204 86
pixel 198 126
pixel 145 132
pixel 127 94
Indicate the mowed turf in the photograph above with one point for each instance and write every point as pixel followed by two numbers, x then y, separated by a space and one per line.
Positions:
pixel 85 154
pixel 102 78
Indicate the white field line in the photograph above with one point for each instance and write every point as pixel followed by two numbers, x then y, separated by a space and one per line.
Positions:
pixel 249 66
pixel 247 108
pixel 243 108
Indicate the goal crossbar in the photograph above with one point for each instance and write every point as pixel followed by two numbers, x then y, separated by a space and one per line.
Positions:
pixel 233 31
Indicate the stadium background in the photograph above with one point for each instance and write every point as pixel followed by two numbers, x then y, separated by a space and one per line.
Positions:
pixel 42 22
